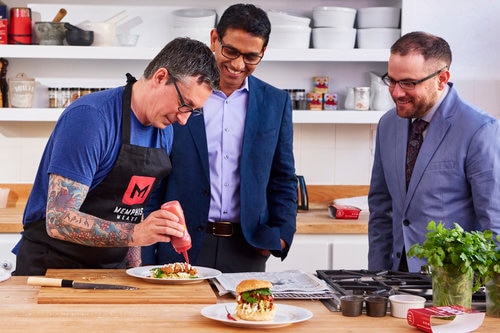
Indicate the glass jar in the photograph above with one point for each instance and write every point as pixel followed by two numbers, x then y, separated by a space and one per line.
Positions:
pixel 451 287
pixel 361 98
pixel 53 101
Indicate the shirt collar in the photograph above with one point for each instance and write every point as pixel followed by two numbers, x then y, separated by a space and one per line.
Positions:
pixel 429 115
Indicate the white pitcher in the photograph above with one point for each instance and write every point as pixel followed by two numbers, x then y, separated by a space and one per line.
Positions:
pixel 380 97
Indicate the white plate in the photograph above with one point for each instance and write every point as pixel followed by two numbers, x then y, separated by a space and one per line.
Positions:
pixel 144 272
pixel 284 315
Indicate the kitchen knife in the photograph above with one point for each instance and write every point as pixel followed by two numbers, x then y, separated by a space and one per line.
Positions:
pixel 53 282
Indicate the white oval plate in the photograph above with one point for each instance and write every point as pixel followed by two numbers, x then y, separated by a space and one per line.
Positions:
pixel 284 315
pixel 144 272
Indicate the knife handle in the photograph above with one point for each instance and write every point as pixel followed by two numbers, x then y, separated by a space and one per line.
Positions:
pixel 49 282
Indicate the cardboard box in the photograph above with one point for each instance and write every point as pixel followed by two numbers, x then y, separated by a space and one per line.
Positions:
pixel 343 212
pixel 436 319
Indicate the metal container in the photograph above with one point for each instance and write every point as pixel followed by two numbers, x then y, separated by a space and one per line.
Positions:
pixel 21 90
pixel 20 25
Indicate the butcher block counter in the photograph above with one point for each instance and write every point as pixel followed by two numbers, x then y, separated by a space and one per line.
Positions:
pixel 313 221
pixel 20 311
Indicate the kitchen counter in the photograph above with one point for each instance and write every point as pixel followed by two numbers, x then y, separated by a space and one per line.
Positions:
pixel 20 311
pixel 314 221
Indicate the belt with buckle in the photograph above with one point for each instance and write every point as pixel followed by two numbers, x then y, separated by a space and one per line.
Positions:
pixel 223 228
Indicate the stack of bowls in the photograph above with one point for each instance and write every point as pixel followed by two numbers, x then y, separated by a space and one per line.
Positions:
pixel 288 31
pixel 195 23
pixel 378 27
pixel 333 28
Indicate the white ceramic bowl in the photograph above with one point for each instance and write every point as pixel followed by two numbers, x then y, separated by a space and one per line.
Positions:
pixel 338 17
pixel 333 38
pixel 193 17
pixel 400 304
pixel 379 17
pixel 377 38
pixel 127 39
pixel 289 37
pixel 201 34
pixel 282 18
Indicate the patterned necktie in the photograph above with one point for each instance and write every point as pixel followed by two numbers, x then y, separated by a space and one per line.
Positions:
pixel 415 139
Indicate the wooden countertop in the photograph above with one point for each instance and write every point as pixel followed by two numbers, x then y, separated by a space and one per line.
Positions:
pixel 20 312
pixel 313 221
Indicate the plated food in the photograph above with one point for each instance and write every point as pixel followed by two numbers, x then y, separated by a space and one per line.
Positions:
pixel 146 273
pixel 254 300
pixel 177 270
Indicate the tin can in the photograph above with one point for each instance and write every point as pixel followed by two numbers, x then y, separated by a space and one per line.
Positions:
pixel 20 25
pixel 330 101
pixel 361 98
pixel 315 101
pixel 21 90
pixel 320 84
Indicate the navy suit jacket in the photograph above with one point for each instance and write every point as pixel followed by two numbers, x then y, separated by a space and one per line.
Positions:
pixel 268 188
pixel 456 179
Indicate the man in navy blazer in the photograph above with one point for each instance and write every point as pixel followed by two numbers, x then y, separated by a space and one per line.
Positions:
pixel 456 177
pixel 234 171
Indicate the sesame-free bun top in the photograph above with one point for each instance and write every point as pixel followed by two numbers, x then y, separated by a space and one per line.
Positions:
pixel 252 284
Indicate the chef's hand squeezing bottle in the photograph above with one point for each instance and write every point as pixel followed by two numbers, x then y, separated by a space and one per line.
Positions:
pixel 180 244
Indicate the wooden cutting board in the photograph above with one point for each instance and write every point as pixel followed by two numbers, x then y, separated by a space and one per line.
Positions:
pixel 148 293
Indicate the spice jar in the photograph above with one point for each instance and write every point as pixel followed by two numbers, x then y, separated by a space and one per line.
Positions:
pixel 53 101
pixel 361 98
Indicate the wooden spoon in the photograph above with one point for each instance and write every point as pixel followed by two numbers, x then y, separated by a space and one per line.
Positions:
pixel 59 16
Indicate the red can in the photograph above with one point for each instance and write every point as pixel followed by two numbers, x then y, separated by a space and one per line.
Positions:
pixel 20 25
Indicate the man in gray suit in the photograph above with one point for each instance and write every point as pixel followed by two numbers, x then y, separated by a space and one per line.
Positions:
pixel 236 177
pixel 456 176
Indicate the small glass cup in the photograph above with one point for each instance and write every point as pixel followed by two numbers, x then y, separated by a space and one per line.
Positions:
pixel 351 305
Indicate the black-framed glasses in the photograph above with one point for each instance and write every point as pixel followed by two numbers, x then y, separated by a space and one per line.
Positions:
pixel 233 53
pixel 407 84
pixel 184 107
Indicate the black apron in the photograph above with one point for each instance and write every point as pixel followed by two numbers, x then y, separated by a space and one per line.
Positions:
pixel 120 197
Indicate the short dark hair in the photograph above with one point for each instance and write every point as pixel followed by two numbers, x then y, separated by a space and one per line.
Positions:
pixel 184 57
pixel 430 46
pixel 245 17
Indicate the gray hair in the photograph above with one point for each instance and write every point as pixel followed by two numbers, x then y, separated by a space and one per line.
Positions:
pixel 185 57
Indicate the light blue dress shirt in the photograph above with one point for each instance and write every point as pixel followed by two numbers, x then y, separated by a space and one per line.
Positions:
pixel 225 123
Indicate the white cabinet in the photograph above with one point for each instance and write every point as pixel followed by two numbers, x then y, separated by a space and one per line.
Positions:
pixel 312 252
pixel 7 258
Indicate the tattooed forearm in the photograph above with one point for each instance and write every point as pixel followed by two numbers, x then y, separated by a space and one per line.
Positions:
pixel 66 222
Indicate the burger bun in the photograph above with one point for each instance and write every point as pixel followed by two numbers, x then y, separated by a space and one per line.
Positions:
pixel 255 316
pixel 253 284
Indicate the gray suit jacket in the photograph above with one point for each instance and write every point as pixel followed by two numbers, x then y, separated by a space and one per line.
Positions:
pixel 456 179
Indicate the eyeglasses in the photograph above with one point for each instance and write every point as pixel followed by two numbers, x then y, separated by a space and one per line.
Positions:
pixel 233 53
pixel 406 84
pixel 185 108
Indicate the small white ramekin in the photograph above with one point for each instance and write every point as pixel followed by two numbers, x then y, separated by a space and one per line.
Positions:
pixel 400 304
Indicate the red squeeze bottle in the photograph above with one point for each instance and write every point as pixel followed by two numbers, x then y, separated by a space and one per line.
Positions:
pixel 180 244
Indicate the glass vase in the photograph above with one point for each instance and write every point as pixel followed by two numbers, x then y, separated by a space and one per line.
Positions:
pixel 493 296
pixel 451 287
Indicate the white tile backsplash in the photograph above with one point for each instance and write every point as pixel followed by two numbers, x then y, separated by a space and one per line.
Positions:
pixel 324 153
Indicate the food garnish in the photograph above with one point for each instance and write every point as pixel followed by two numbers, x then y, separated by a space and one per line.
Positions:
pixel 178 270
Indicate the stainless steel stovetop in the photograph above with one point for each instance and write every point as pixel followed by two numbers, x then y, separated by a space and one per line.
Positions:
pixel 383 283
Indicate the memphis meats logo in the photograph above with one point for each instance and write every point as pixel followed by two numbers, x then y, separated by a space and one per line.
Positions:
pixel 137 192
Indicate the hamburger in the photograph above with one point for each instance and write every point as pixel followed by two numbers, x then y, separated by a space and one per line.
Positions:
pixel 254 300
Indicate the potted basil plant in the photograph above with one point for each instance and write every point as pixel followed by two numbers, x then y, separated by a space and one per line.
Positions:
pixel 459 261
